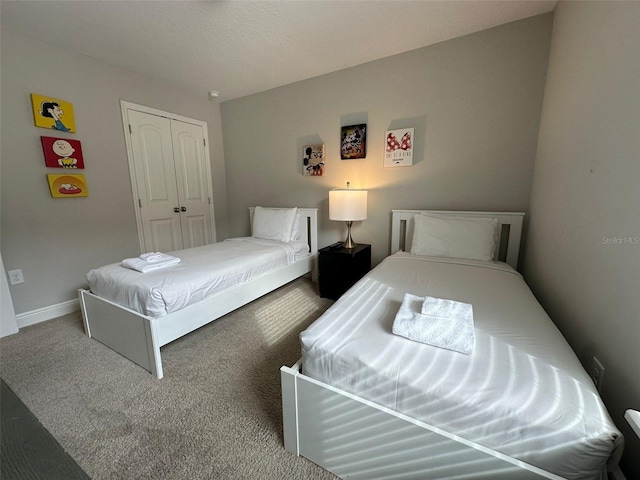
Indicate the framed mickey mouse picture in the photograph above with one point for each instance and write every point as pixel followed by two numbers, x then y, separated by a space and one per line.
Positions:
pixel 313 160
pixel 353 142
pixel 399 148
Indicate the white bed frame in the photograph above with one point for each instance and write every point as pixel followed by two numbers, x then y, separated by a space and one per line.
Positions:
pixel 139 337
pixel 358 439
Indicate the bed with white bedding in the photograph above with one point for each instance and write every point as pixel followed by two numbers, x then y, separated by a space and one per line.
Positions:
pixel 201 272
pixel 365 403
pixel 136 313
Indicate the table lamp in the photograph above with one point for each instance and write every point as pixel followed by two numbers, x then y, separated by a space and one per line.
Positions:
pixel 349 206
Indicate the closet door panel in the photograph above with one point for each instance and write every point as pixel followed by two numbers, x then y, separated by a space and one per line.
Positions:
pixel 192 175
pixel 195 229
pixel 156 181
pixel 159 177
pixel 190 165
pixel 162 236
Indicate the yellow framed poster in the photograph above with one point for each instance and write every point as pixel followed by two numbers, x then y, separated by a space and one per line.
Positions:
pixel 53 113
pixel 67 185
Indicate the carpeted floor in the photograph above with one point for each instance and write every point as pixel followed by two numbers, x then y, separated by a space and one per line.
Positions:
pixel 216 413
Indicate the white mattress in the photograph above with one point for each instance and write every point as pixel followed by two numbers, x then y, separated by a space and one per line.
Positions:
pixel 201 272
pixel 522 392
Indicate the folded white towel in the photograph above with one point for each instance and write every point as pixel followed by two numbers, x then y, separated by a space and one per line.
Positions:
pixel 437 307
pixel 454 332
pixel 153 257
pixel 144 266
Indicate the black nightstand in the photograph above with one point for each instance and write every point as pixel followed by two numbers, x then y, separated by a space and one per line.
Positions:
pixel 340 268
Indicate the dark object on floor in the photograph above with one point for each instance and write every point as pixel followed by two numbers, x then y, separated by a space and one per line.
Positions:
pixel 28 450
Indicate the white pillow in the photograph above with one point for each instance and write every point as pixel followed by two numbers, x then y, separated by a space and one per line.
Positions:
pixel 295 232
pixel 274 223
pixel 459 237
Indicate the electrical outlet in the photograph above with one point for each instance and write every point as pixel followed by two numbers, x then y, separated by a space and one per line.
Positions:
pixel 597 372
pixel 15 277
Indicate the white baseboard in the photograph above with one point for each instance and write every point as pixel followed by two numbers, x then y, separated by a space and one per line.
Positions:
pixel 47 313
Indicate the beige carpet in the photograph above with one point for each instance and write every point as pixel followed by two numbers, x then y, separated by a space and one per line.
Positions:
pixel 216 414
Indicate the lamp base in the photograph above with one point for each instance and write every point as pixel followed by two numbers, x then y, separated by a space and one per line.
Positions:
pixel 349 243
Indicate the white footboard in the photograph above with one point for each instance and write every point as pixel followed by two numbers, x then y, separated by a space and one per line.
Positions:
pixel 127 332
pixel 357 439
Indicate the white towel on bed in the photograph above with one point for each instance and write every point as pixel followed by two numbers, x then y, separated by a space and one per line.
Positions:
pixel 145 266
pixel 453 330
pixel 437 307
pixel 154 257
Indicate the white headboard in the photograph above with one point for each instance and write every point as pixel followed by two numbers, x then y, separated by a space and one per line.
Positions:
pixel 509 230
pixel 308 234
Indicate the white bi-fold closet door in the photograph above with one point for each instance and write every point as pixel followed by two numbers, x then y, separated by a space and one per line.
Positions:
pixel 171 179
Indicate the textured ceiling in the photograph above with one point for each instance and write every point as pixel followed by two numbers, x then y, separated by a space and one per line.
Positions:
pixel 243 47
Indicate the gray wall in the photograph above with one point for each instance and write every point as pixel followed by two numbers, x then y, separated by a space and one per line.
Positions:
pixel 475 104
pixel 56 241
pixel 583 249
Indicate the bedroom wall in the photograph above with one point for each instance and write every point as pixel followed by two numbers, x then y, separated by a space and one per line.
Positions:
pixel 583 247
pixel 56 241
pixel 475 105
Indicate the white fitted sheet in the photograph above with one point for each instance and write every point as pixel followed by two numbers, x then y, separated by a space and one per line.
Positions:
pixel 201 272
pixel 522 392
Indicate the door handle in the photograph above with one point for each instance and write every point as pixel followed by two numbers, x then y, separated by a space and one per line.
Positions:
pixel 183 209
pixel 176 209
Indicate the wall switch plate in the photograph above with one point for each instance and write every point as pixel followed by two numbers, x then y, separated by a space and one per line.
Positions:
pixel 597 372
pixel 15 277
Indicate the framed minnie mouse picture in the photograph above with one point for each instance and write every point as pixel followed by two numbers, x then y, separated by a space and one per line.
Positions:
pixel 399 148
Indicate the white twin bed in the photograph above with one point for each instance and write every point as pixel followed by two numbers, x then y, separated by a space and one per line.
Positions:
pixel 365 403
pixel 136 313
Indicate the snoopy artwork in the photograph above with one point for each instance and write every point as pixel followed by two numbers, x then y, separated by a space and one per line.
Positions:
pixel 67 185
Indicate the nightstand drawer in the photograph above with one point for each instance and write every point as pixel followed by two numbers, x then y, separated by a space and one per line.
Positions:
pixel 340 268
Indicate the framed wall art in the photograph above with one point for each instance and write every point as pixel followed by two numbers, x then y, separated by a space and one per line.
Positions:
pixel 353 142
pixel 67 185
pixel 399 148
pixel 313 160
pixel 52 113
pixel 62 152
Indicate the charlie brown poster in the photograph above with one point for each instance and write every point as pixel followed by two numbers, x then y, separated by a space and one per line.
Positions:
pixel 53 113
pixel 62 152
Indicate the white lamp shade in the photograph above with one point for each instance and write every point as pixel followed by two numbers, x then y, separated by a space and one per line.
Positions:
pixel 347 205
